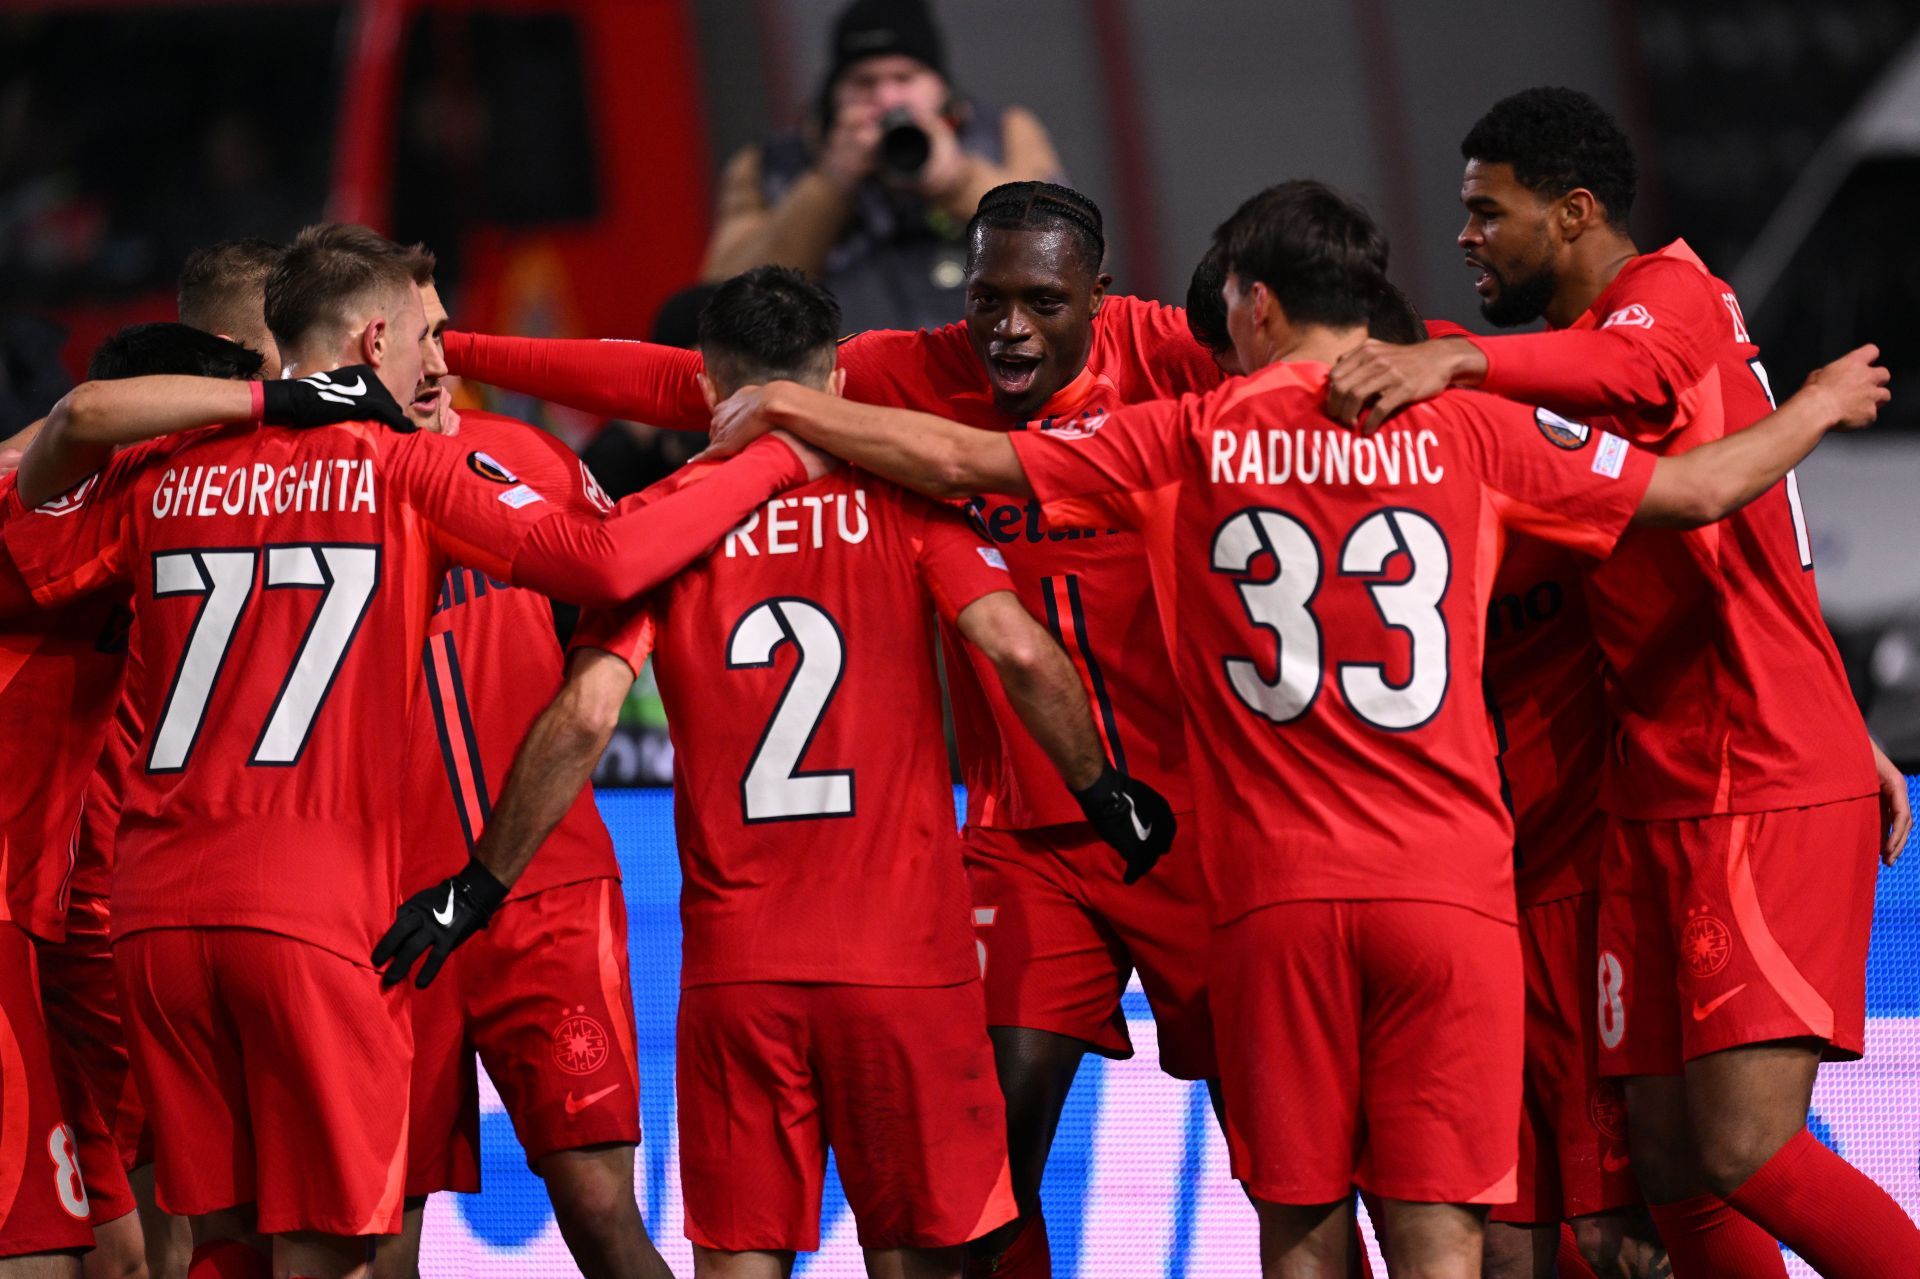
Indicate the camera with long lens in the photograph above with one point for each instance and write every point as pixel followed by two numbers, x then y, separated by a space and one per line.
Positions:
pixel 904 146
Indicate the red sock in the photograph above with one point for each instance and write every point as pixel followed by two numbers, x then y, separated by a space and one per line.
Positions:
pixel 228 1259
pixel 1830 1213
pixel 1027 1257
pixel 1705 1238
pixel 1571 1264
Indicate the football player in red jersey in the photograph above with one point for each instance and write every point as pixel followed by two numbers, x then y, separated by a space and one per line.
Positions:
pixel 62 678
pixel 554 958
pixel 831 988
pixel 1350 925
pixel 1732 951
pixel 294 1127
pixel 1041 338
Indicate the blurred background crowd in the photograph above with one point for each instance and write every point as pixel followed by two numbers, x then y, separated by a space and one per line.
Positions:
pixel 581 167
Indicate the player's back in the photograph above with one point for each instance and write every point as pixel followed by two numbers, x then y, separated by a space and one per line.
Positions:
pixel 281 583
pixel 1328 590
pixel 812 801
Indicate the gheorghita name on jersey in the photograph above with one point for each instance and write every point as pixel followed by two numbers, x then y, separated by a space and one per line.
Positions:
pixel 323 484
pixel 1325 455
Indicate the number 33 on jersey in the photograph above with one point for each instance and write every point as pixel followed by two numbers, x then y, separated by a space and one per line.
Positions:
pixel 1326 592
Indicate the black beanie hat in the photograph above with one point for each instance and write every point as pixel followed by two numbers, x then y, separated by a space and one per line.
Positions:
pixel 873 28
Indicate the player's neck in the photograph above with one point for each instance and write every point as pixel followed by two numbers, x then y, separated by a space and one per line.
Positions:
pixel 1314 344
pixel 1595 264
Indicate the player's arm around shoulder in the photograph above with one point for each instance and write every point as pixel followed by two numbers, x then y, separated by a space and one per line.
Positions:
pixel 1713 481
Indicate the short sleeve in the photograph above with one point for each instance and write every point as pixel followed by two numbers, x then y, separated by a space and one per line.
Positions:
pixel 74 544
pixel 626 632
pixel 478 511
pixel 957 565
pixel 1551 477
pixel 1096 465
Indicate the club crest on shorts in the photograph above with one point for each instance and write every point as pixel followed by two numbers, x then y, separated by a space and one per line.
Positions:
pixel 1606 1109
pixel 1706 944
pixel 579 1043
pixel 1562 432
pixel 484 466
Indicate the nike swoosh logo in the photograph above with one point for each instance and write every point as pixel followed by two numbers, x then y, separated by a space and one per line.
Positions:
pixel 574 1107
pixel 1703 1011
pixel 444 916
pixel 359 386
pixel 1612 1162
pixel 1133 815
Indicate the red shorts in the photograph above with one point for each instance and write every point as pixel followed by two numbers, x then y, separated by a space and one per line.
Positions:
pixel 43 1197
pixel 542 995
pixel 83 1012
pixel 1573 1136
pixel 1370 1043
pixel 899 1081
pixel 275 1072
pixel 1059 935
pixel 1737 929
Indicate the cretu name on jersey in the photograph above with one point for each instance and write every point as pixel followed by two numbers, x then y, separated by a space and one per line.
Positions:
pixel 325 484
pixel 795 524
pixel 1304 456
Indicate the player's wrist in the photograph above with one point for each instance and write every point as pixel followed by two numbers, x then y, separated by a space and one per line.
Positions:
pixel 1469 362
pixel 481 887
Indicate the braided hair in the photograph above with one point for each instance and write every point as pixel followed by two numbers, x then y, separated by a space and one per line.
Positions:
pixel 1037 206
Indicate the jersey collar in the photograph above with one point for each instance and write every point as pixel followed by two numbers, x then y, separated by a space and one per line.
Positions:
pixel 1679 251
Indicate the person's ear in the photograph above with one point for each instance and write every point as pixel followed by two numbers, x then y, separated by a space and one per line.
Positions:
pixel 373 342
pixel 1101 283
pixel 708 391
pixel 837 382
pixel 1576 213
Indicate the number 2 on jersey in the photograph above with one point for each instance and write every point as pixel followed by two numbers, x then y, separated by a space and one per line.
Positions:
pixel 774 789
pixel 1283 605
pixel 346 576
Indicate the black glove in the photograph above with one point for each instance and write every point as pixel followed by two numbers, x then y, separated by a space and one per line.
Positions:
pixel 350 394
pixel 434 921
pixel 1130 815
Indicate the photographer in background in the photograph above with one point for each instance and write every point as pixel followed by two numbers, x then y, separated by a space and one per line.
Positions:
pixel 873 195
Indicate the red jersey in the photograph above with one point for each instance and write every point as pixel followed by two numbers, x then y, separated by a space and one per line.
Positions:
pixel 1328 590
pixel 491 665
pixel 1087 582
pixel 811 798
pixel 265 792
pixel 1726 685
pixel 59 679
pixel 1546 691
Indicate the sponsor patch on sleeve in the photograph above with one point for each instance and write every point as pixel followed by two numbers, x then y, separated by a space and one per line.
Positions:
pixel 1562 432
pixel 993 557
pixel 520 495
pixel 484 466
pixel 1611 456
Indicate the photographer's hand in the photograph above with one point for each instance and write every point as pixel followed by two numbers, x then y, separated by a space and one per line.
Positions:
pixel 847 159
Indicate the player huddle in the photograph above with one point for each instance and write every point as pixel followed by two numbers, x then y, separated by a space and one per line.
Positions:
pixel 1442 727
